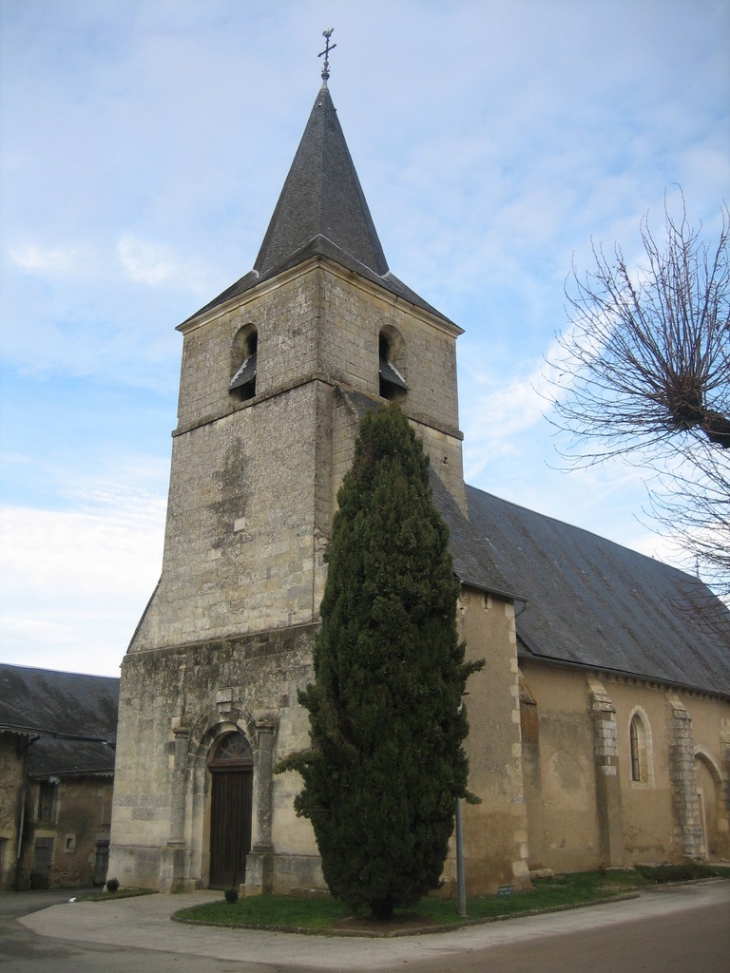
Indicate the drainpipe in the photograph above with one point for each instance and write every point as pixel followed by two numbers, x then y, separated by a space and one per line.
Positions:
pixel 21 825
pixel 460 877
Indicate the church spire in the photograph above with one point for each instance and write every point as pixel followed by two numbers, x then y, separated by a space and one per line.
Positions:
pixel 322 198
pixel 322 210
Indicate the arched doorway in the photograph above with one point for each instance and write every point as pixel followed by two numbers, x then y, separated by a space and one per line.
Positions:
pixel 231 768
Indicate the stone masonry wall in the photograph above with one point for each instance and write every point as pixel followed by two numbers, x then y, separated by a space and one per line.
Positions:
pixel 570 837
pixel 243 550
pixel 240 548
pixel 11 794
pixel 203 690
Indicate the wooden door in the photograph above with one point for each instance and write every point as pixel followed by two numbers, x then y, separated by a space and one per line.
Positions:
pixel 40 876
pixel 102 861
pixel 230 814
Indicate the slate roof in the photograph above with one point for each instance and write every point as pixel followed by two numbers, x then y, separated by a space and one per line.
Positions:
pixel 322 211
pixel 473 562
pixel 58 707
pixel 322 196
pixel 590 602
pixel 581 599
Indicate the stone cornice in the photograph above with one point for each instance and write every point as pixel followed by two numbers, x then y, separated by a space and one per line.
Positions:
pixel 315 376
pixel 308 266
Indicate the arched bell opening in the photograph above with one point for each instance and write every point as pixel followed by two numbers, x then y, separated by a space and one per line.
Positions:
pixel 244 364
pixel 391 354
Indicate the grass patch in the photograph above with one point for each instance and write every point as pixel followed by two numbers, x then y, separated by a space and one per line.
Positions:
pixel 561 891
pixel 324 914
pixel 280 911
pixel 113 896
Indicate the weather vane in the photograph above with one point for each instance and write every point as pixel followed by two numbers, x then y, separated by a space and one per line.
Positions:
pixel 326 52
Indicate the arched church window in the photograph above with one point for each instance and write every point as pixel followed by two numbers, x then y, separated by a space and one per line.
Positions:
pixel 244 364
pixel 640 749
pixel 392 384
pixel 635 749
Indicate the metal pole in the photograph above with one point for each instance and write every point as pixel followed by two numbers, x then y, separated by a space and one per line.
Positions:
pixel 460 880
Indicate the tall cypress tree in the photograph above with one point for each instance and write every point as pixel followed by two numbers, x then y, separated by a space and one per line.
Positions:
pixel 386 761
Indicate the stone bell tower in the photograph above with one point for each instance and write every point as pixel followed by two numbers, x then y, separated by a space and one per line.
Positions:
pixel 276 373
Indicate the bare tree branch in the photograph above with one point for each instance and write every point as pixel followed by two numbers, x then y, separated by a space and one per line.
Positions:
pixel 644 372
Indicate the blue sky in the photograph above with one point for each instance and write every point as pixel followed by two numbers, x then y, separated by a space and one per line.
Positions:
pixel 144 145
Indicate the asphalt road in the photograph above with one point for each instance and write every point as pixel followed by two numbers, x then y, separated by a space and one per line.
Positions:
pixel 23 951
pixel 679 930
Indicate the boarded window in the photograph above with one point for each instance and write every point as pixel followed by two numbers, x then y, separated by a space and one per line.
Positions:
pixel 46 801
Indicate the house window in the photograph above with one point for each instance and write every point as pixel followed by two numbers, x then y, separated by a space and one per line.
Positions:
pixel 392 384
pixel 69 843
pixel 244 364
pixel 640 748
pixel 46 800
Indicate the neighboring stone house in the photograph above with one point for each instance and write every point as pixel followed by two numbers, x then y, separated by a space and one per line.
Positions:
pixel 600 725
pixel 57 736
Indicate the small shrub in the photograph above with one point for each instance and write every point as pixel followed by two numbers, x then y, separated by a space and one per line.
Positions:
pixel 231 896
pixel 112 885
pixel 685 872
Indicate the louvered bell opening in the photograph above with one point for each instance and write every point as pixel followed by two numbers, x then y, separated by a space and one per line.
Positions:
pixel 392 383
pixel 245 374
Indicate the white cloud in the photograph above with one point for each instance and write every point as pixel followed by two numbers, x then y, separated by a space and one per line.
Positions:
pixel 147 263
pixel 51 262
pixel 496 419
pixel 76 581
pixel 100 549
pixel 157 265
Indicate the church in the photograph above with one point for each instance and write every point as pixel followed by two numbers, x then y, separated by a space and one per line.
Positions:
pixel 600 724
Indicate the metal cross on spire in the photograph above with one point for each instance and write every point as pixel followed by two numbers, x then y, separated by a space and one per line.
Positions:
pixel 326 52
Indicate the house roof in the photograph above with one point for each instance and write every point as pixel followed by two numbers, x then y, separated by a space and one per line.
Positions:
pixel 590 602
pixel 70 713
pixel 322 211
